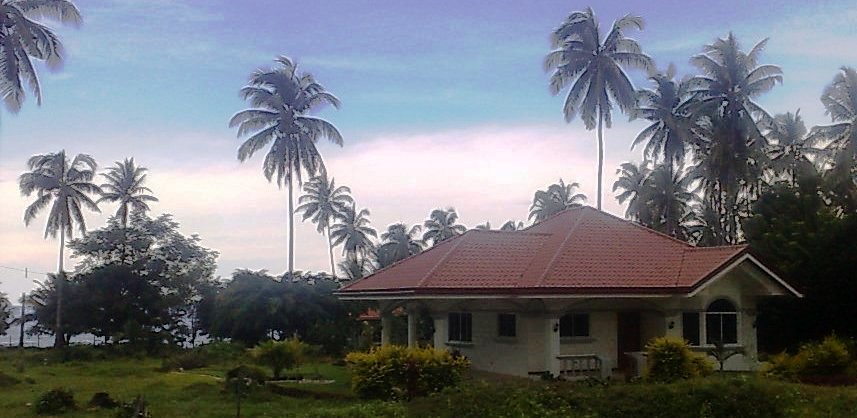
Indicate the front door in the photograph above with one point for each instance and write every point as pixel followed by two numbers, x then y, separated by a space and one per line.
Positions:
pixel 627 339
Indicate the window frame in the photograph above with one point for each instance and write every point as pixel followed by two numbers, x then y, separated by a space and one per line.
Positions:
pixel 514 325
pixel 698 325
pixel 464 327
pixel 721 317
pixel 573 318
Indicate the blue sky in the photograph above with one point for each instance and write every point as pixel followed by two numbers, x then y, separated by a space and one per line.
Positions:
pixel 444 104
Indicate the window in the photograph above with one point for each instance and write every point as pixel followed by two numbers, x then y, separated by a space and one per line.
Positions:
pixel 460 326
pixel 721 322
pixel 506 325
pixel 690 327
pixel 574 325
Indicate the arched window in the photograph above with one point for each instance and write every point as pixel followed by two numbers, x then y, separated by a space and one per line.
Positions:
pixel 721 322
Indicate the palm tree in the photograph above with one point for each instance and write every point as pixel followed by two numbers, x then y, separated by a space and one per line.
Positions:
pixel 788 147
pixel 352 231
pixel 66 186
pixel 840 102
pixel 731 152
pixel 398 243
pixel 125 186
pixel 671 132
pixel 595 70
pixel 669 198
pixel 441 225
pixel 355 269
pixel 632 182
pixel 558 197
pixel 322 204
pixel 22 39
pixel 511 225
pixel 281 101
pixel 484 227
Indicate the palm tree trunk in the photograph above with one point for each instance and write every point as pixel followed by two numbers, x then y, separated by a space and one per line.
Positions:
pixel 291 226
pixel 330 248
pixel 600 154
pixel 59 333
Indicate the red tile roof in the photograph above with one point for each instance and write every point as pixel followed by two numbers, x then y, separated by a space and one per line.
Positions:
pixel 580 250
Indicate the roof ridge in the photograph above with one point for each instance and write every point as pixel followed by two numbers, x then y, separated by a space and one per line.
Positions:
pixel 681 265
pixel 497 231
pixel 569 209
pixel 720 247
pixel 559 249
pixel 442 260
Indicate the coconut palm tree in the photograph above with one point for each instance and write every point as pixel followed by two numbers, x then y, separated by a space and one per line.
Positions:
pixel 398 243
pixel 632 183
pixel 322 203
pixel 484 227
pixel 670 133
pixel 23 38
pixel 66 186
pixel 840 102
pixel 441 225
pixel 355 269
pixel 731 152
pixel 558 197
pixel 511 225
pixel 125 186
pixel 669 198
pixel 282 101
pixel 594 68
pixel 788 147
pixel 352 231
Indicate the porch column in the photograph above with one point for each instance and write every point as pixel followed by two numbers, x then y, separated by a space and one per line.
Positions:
pixel 552 343
pixel 440 331
pixel 412 329
pixel 386 327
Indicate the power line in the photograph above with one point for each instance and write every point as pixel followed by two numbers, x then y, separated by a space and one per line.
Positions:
pixel 24 270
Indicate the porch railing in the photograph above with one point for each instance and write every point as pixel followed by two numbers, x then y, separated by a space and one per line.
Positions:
pixel 580 366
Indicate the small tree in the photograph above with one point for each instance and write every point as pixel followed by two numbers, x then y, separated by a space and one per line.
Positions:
pixel 721 353
pixel 280 355
pixel 240 381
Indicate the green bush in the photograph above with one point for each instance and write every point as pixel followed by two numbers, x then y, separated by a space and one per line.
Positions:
pixel 395 372
pixel 55 401
pixel 102 400
pixel 244 372
pixel 670 359
pixel 221 351
pixel 280 355
pixel 782 366
pixel 138 408
pixel 827 358
pixel 186 360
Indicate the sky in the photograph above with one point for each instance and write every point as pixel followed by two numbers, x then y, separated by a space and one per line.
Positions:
pixel 445 104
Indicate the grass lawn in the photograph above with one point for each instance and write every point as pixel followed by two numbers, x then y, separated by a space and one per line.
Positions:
pixel 193 393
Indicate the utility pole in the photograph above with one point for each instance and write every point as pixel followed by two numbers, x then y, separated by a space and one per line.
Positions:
pixel 23 311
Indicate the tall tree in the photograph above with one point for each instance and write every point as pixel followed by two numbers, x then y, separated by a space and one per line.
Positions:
pixel 125 186
pixel 731 153
pixel 323 203
pixel 632 183
pixel 670 133
pixel 23 38
pixel 788 148
pixel 511 225
pixel 840 102
pixel 352 231
pixel 398 243
pixel 66 186
pixel 670 199
pixel 282 101
pixel 558 197
pixel 441 225
pixel 595 70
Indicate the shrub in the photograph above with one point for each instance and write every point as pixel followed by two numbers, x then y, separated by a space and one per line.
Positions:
pixel 55 401
pixel 8 380
pixel 782 366
pixel 219 351
pixel 138 408
pixel 102 400
pixel 827 358
pixel 670 359
pixel 187 360
pixel 253 373
pixel 395 372
pixel 280 355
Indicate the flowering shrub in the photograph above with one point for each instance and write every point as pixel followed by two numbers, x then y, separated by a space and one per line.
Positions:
pixel 670 359
pixel 395 372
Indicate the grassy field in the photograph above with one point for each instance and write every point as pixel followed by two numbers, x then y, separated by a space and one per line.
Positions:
pixel 199 393
pixel 193 393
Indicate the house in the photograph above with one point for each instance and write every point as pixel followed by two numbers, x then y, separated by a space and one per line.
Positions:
pixel 581 291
